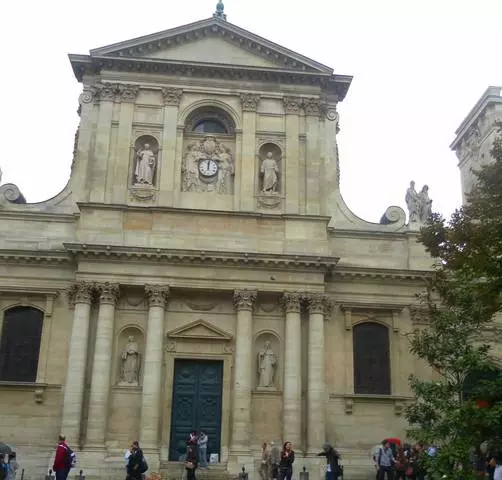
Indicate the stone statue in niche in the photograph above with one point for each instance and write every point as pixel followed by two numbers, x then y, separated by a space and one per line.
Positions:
pixel 208 166
pixel 267 365
pixel 130 363
pixel 419 204
pixel 146 164
pixel 270 174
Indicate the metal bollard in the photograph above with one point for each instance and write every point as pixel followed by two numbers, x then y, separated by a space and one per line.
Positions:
pixel 304 475
pixel 50 476
pixel 243 475
pixel 22 474
pixel 80 475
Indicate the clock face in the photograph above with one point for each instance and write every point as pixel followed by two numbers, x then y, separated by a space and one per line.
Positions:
pixel 208 168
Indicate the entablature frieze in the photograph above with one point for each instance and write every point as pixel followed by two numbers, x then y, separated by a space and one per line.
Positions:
pixel 35 257
pixel 377 274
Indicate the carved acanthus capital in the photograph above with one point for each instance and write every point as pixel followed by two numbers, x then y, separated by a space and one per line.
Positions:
pixel 157 295
pixel 127 93
pixel 317 303
pixel 86 96
pixel 108 293
pixel 249 102
pixel 292 302
pixel 81 292
pixel 244 299
pixel 312 107
pixel 331 114
pixel 172 96
pixel 292 105
pixel 105 91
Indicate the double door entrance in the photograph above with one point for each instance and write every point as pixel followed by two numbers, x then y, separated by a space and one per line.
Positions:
pixel 196 405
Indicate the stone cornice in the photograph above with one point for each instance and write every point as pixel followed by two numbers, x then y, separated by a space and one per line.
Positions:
pixel 199 257
pixel 29 290
pixel 360 273
pixel 54 257
pixel 86 65
pixel 23 213
pixel 388 307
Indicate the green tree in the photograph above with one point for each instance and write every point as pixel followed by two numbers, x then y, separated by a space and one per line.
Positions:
pixel 463 295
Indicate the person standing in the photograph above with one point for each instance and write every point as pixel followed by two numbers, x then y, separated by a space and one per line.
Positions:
pixel 286 463
pixel 12 466
pixel 265 462
pixel 191 460
pixel 385 461
pixel 136 463
pixel 275 460
pixel 62 463
pixel 202 444
pixel 333 468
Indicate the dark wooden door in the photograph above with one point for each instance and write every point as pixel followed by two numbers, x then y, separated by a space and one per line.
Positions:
pixel 197 392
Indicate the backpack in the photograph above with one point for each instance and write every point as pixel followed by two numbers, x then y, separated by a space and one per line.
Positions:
pixel 3 470
pixel 71 458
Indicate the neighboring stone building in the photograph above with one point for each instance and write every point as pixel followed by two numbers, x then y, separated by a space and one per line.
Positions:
pixel 474 138
pixel 201 270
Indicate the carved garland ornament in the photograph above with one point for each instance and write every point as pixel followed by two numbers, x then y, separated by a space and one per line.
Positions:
pixel 244 299
pixel 157 295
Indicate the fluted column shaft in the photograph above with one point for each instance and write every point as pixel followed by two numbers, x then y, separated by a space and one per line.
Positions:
pixel 101 368
pixel 152 377
pixel 243 376
pixel 291 417
pixel 81 295
pixel 316 392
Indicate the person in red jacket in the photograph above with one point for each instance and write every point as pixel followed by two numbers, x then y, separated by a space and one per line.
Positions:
pixel 61 467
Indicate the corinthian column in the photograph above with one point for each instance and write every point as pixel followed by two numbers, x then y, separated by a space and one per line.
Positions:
pixel 243 376
pixel 316 392
pixel 101 368
pixel 80 295
pixel 152 377
pixel 291 422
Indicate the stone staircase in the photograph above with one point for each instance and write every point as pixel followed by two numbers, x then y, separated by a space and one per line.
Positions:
pixel 213 472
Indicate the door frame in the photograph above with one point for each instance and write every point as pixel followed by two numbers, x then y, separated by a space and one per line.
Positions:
pixel 198 350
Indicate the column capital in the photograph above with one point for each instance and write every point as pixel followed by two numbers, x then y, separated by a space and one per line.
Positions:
pixel 292 105
pixel 108 293
pixel 172 96
pixel 318 303
pixel 244 299
pixel 157 295
pixel 127 93
pixel 292 301
pixel 249 102
pixel 312 107
pixel 81 292
pixel 104 92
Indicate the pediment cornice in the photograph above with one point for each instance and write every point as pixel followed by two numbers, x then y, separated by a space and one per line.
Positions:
pixel 199 257
pixel 199 330
pixel 212 27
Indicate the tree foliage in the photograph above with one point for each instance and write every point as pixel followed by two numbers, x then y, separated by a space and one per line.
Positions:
pixel 463 295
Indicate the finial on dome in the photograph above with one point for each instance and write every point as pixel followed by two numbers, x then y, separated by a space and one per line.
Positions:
pixel 220 8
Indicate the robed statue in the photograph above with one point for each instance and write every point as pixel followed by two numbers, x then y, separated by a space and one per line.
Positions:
pixel 130 363
pixel 267 364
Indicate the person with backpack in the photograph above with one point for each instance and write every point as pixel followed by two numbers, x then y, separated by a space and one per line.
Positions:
pixel 333 467
pixel 64 460
pixel 136 463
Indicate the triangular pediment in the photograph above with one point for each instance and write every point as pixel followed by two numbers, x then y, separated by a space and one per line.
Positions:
pixel 200 329
pixel 212 41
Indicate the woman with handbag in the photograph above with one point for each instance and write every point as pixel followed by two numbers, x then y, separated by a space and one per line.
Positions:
pixel 191 460
pixel 286 464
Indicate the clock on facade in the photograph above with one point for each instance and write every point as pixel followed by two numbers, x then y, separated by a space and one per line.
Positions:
pixel 208 168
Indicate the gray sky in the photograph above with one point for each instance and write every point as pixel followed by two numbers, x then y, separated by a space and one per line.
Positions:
pixel 418 65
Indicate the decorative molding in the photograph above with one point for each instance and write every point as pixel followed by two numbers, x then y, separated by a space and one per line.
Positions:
pixel 171 347
pixel 86 96
pixel 354 273
pixel 350 401
pixel 349 405
pixel 292 105
pixel 316 302
pixel 200 257
pixel 390 307
pixel 249 102
pixel 143 194
pixel 200 306
pixel 200 330
pixel 127 93
pixel 312 107
pixel 81 292
pixel 419 315
pixel 114 92
pixel 292 302
pixel 108 293
pixel 244 299
pixel 172 96
pixel 269 201
pixel 157 295
pixel 34 257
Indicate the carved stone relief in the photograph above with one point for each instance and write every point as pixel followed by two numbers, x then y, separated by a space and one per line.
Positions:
pixel 267 361
pixel 130 355
pixel 208 166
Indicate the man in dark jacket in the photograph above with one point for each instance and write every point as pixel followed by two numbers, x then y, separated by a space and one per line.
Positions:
pixel 333 468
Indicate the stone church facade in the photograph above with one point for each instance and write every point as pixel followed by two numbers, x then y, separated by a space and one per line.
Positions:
pixel 201 269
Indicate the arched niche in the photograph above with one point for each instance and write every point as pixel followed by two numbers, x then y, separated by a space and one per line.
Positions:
pixel 130 356
pixel 270 169
pixel 145 162
pixel 209 141
pixel 267 348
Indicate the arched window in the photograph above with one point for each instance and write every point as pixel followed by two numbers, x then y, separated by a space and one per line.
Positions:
pixel 209 126
pixel 20 344
pixel 371 359
pixel 209 120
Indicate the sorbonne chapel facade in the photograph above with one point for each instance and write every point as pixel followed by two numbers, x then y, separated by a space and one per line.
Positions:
pixel 201 270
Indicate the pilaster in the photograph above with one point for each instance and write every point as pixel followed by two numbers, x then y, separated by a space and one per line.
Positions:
pixel 172 98
pixel 292 106
pixel 330 172
pixel 248 161
pixel 312 107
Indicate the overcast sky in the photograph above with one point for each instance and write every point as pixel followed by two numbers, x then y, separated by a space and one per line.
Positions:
pixel 418 65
